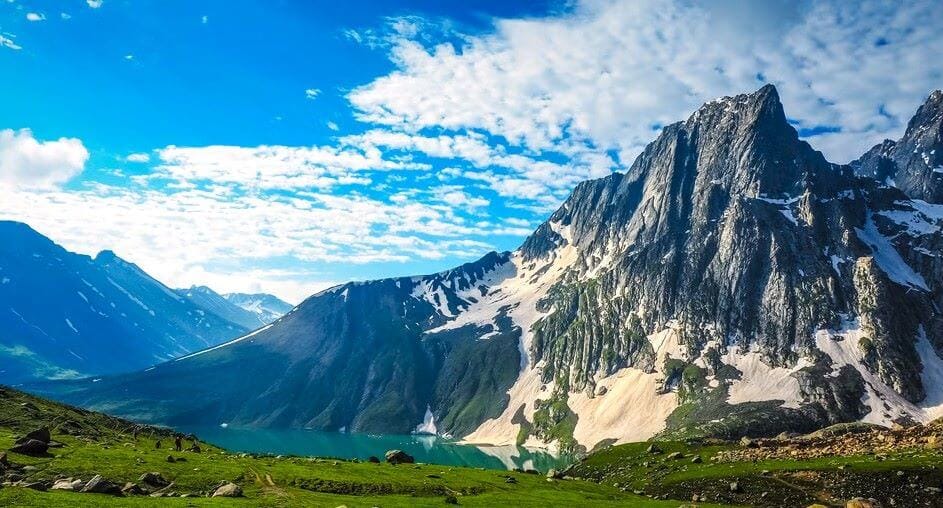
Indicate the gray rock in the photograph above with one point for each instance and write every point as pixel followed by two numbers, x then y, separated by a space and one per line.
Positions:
pixel 99 485
pixel 228 489
pixel 30 447
pixel 153 480
pixel 399 457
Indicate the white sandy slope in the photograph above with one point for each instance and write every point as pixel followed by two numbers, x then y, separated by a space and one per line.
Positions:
pixel 885 404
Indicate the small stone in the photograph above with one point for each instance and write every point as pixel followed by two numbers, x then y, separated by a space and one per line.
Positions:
pixel 696 459
pixel 674 455
pixel 653 449
pixel 735 487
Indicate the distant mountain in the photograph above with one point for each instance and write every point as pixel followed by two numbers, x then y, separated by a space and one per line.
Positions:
pixel 66 315
pixel 732 282
pixel 216 303
pixel 268 308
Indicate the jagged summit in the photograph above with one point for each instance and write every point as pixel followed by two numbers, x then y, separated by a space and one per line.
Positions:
pixel 914 163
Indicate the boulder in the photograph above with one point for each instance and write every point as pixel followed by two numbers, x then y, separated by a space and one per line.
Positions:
pixel 653 449
pixel 40 485
pixel 228 489
pixel 41 434
pixel 30 447
pixel 399 457
pixel 99 485
pixel 674 455
pixel 153 480
pixel 133 489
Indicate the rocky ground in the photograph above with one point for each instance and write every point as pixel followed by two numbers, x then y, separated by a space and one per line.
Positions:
pixel 853 465
pixel 842 439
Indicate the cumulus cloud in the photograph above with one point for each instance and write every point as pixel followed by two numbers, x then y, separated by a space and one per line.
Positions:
pixel 29 163
pixel 609 74
pixel 94 4
pixel 276 167
pixel 312 93
pixel 238 232
pixel 35 16
pixel 138 157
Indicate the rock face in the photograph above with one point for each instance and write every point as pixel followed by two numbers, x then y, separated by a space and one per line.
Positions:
pixel 732 282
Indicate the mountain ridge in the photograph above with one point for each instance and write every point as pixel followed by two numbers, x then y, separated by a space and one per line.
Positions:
pixel 731 282
pixel 71 315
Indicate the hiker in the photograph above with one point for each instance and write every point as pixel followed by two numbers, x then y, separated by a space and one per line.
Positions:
pixel 157 444
pixel 178 443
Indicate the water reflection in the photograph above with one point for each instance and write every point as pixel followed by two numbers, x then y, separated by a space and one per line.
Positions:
pixel 425 448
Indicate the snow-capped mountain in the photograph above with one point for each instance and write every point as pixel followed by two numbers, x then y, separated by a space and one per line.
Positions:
pixel 732 282
pixel 208 299
pixel 267 308
pixel 66 315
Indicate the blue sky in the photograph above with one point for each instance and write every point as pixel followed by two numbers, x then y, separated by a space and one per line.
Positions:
pixel 286 146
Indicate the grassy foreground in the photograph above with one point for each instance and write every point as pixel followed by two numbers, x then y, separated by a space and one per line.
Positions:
pixel 97 444
pixel 901 468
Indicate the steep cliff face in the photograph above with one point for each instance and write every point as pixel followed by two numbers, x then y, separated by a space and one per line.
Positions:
pixel 731 282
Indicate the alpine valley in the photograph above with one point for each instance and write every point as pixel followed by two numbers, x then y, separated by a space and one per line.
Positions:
pixel 731 283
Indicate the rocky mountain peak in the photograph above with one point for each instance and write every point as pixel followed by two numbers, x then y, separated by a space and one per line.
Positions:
pixel 914 163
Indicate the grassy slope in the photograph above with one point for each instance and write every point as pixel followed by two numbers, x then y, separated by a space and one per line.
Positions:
pixel 903 475
pixel 104 445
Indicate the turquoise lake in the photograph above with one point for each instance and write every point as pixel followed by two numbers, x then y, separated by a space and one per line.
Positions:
pixel 426 449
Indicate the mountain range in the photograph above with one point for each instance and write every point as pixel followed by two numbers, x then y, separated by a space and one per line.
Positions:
pixel 731 282
pixel 66 315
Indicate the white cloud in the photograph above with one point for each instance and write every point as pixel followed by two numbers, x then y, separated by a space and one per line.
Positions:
pixel 610 72
pixel 333 126
pixel 29 163
pixel 94 4
pixel 277 167
pixel 6 41
pixel 35 16
pixel 65 15
pixel 129 57
pixel 237 234
pixel 312 93
pixel 205 19
pixel 138 157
